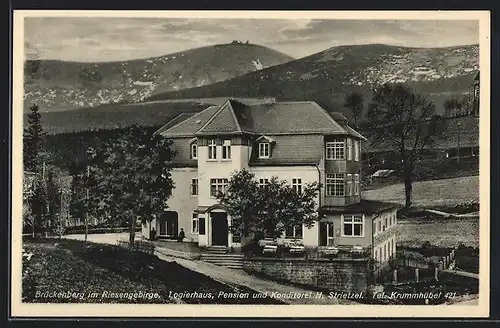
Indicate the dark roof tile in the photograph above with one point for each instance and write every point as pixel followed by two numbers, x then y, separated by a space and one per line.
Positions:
pixel 294 149
pixel 365 206
pixel 188 127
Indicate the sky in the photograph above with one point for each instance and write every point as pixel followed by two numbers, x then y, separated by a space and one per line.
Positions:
pixel 100 39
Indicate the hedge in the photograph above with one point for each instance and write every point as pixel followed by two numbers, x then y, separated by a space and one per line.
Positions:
pixel 91 230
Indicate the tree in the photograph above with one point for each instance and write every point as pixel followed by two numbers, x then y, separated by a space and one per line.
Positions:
pixel 134 176
pixel 355 103
pixel 404 121
pixel 268 210
pixel 45 200
pixel 86 192
pixel 455 106
pixel 33 142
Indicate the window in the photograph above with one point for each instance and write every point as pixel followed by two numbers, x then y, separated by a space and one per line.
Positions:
pixel 386 225
pixel 393 247
pixel 357 150
pixel 194 187
pixel 335 150
pixel 349 149
pixel 194 151
pixel 264 150
pixel 297 185
pixel 263 182
pixel 349 185
pixel 226 149
pixel 385 251
pixel 194 223
pixel 217 186
pixel 353 225
pixel 212 149
pixel 335 184
pixel 379 224
pixel 356 184
pixel 294 232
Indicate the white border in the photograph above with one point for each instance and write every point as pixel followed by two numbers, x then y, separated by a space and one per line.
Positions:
pixel 151 311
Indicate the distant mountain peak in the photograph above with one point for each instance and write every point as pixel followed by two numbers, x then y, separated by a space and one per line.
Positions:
pixel 60 85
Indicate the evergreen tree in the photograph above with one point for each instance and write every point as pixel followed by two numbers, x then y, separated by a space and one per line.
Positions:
pixel 33 141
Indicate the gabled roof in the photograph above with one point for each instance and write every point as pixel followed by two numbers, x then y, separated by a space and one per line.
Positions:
pixel 188 127
pixel 266 138
pixel 223 121
pixel 260 118
pixel 176 120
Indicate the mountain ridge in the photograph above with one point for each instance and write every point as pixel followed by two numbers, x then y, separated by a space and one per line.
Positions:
pixel 327 75
pixel 62 85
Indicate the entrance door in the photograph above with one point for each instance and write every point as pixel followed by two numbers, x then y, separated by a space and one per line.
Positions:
pixel 326 234
pixel 169 224
pixel 219 228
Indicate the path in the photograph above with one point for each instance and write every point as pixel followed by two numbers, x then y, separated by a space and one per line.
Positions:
pixel 239 277
pixel 462 273
pixel 222 274
pixel 453 215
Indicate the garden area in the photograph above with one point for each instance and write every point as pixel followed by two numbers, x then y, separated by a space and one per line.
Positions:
pixel 73 271
pixel 425 260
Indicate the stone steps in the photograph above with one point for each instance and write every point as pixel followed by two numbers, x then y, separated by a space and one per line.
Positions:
pixel 217 250
pixel 233 261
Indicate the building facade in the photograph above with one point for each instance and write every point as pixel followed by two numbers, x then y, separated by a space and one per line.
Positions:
pixel 294 141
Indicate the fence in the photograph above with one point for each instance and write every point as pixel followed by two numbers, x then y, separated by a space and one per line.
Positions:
pixel 137 246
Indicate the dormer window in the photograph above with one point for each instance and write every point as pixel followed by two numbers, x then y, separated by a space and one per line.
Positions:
pixel 264 146
pixel 264 149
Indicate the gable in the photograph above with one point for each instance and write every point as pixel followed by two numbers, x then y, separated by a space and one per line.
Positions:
pixel 223 121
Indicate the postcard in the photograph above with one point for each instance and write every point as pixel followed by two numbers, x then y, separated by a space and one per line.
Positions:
pixel 250 164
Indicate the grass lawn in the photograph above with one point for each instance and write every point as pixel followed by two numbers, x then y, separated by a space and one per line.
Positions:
pixel 439 232
pixel 444 192
pixel 72 271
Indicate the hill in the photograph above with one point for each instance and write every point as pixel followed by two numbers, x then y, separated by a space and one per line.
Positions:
pixel 58 85
pixel 115 116
pixel 327 76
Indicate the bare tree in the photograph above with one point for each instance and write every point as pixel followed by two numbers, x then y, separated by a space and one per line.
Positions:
pixel 405 122
pixel 355 103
